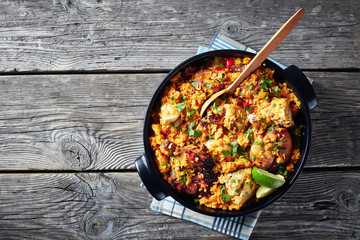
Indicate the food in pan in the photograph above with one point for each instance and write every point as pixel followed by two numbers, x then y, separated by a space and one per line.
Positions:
pixel 241 149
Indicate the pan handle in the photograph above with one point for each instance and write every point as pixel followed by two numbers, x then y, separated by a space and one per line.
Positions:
pixel 147 177
pixel 302 84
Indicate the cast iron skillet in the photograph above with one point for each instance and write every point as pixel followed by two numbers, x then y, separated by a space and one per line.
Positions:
pixel 160 189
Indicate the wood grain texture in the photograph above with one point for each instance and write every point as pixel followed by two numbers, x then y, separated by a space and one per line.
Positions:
pixel 328 202
pixel 121 35
pixel 94 122
pixel 113 206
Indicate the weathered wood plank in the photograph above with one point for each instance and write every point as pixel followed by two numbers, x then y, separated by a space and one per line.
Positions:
pixel 321 205
pixel 94 122
pixel 125 35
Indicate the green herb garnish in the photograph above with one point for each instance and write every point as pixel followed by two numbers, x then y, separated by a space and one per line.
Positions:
pixel 183 180
pixel 234 145
pixel 226 152
pixel 180 106
pixel 276 89
pixel 207 85
pixel 224 196
pixel 195 84
pixel 192 132
pixel 282 170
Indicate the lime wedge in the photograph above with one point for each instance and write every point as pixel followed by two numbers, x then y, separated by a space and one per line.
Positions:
pixel 263 191
pixel 264 178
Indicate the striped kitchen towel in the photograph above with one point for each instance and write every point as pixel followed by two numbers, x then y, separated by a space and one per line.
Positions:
pixel 239 227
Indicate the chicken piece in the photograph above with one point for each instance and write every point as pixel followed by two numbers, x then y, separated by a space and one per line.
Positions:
pixel 272 150
pixel 167 147
pixel 279 112
pixel 193 170
pixel 170 115
pixel 219 145
pixel 235 117
pixel 240 186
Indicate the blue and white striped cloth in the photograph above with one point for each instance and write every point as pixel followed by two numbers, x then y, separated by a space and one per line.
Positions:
pixel 239 227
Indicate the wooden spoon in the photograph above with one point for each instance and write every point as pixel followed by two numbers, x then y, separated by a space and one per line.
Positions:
pixel 269 47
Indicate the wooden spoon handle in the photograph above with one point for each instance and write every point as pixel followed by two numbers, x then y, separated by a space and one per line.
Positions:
pixel 269 47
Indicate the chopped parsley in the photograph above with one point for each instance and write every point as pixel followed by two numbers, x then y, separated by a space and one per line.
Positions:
pixel 265 83
pixel 226 152
pixel 270 127
pixel 208 85
pixel 234 145
pixel 282 170
pixel 183 180
pixel 195 84
pixel 224 196
pixel 173 125
pixel 298 133
pixel 215 104
pixel 191 125
pixel 277 145
pixel 233 180
pixel 192 132
pixel 219 64
pixel 248 134
pixel 166 164
pixel 192 112
pixel 282 150
pixel 266 97
pixel 276 89
pixel 180 106
pixel 242 153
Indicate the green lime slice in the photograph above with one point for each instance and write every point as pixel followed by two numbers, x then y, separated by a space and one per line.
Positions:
pixel 264 178
pixel 263 191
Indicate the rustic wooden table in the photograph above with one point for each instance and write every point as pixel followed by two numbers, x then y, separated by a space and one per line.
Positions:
pixel 75 80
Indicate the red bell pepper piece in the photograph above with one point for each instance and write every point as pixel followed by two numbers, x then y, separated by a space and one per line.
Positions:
pixel 229 62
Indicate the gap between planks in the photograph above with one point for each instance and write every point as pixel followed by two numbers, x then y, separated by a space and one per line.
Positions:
pixel 148 71
pixel 306 170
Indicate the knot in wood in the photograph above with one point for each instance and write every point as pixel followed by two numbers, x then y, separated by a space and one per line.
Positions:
pixel 101 225
pixel 232 28
pixel 348 201
pixel 76 155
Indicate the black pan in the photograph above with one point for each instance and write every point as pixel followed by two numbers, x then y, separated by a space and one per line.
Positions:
pixel 160 189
